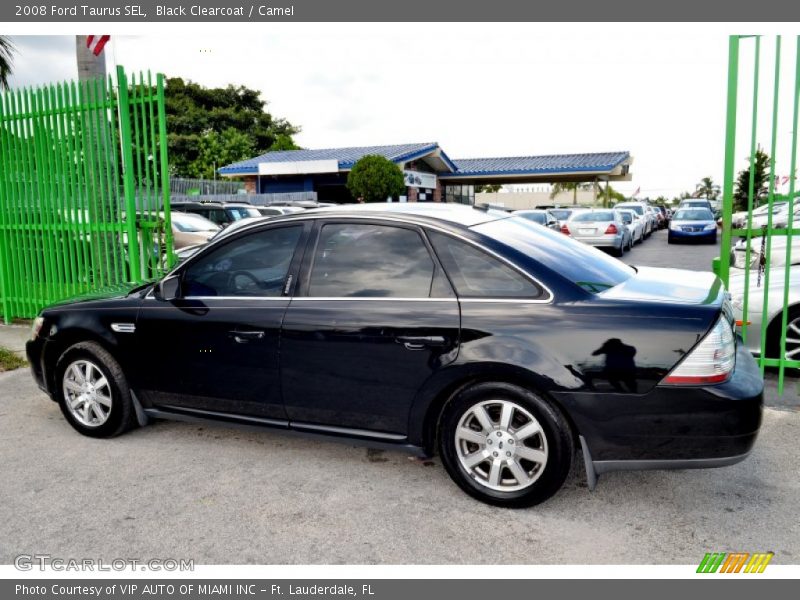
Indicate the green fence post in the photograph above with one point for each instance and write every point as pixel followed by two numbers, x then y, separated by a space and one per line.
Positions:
pixel 162 151
pixel 730 158
pixel 127 175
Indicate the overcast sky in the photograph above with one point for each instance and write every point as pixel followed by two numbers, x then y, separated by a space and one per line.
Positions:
pixel 477 89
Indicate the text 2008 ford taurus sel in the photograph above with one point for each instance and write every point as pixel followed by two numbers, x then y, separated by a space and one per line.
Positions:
pixel 505 346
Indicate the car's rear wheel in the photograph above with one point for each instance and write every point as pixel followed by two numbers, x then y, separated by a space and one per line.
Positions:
pixel 792 351
pixel 505 445
pixel 92 391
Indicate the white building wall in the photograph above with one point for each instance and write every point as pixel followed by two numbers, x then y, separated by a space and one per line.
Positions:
pixel 530 199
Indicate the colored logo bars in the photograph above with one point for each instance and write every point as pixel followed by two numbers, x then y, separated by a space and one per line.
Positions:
pixel 735 562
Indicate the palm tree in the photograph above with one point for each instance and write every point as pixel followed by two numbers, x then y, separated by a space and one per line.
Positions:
pixel 6 60
pixel 707 189
pixel 567 186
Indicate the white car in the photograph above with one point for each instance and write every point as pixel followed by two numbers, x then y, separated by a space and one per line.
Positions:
pixel 777 251
pixel 739 219
pixel 755 308
pixel 634 225
pixel 640 208
pixel 563 214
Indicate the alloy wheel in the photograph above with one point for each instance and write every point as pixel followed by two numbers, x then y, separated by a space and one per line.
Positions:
pixel 793 340
pixel 501 445
pixel 87 393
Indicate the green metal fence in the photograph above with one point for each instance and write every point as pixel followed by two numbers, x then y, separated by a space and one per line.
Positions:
pixel 771 282
pixel 84 189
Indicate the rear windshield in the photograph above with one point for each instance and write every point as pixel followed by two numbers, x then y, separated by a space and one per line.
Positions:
pixel 594 216
pixel 693 214
pixel 586 266
pixel 535 217
pixel 638 208
pixel 560 214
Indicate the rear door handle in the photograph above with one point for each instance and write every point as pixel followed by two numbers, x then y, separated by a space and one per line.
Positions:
pixel 419 342
pixel 242 337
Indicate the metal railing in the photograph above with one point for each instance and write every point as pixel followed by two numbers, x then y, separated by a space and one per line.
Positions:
pixel 83 176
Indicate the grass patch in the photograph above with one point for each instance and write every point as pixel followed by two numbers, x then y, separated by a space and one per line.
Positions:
pixel 10 361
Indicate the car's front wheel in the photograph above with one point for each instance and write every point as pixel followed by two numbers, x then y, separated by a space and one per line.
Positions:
pixel 92 391
pixel 505 445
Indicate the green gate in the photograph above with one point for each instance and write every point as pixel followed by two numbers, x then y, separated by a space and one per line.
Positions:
pixel 770 280
pixel 84 190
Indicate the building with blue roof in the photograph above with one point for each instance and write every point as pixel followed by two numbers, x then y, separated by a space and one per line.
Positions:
pixel 430 174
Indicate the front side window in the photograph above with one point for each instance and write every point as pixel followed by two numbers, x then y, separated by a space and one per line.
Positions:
pixel 476 274
pixel 253 265
pixel 372 261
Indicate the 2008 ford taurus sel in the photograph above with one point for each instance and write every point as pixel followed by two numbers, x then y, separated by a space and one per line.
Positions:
pixel 505 346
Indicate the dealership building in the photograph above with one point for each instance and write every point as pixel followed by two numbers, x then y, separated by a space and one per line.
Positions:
pixel 430 174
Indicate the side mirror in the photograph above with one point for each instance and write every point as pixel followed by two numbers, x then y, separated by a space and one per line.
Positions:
pixel 167 289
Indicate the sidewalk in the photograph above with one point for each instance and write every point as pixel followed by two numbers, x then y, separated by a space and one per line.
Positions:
pixel 14 337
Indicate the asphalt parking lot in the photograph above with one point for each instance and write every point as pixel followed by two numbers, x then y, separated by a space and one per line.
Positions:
pixel 226 496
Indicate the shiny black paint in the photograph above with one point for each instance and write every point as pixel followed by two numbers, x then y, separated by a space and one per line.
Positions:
pixel 341 364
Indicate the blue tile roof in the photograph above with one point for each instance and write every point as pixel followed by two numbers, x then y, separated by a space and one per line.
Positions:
pixel 553 163
pixel 347 157
pixel 510 165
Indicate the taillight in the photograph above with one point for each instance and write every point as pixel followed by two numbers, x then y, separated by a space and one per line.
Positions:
pixel 611 228
pixel 565 229
pixel 711 361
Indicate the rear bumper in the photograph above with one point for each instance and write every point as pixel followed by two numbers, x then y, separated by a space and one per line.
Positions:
pixel 673 426
pixel 601 241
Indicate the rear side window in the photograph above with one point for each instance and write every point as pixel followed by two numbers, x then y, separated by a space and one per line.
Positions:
pixel 535 217
pixel 594 216
pixel 364 260
pixel 476 274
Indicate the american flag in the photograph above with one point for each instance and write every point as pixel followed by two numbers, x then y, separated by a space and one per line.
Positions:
pixel 96 43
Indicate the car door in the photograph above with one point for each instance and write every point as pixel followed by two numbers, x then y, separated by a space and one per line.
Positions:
pixel 373 319
pixel 215 348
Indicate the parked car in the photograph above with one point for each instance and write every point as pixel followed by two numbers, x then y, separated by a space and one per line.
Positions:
pixel 665 212
pixel 777 252
pixel 221 213
pixel 652 214
pixel 188 251
pixel 775 304
pixel 604 228
pixel 633 224
pixel 640 208
pixel 189 229
pixel 563 214
pixel 693 224
pixel 739 219
pixel 505 345
pixel 542 217
pixel 271 211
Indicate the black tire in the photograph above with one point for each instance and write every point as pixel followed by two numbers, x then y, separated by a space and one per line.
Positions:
pixel 122 415
pixel 554 428
pixel 670 240
pixel 773 345
pixel 618 252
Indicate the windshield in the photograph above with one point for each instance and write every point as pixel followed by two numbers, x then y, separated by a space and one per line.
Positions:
pixel 693 214
pixel 240 212
pixel 533 216
pixel 189 223
pixel 560 214
pixel 586 266
pixel 604 215
pixel 637 208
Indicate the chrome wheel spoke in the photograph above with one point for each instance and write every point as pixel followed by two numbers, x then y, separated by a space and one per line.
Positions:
pixel 792 353
pixel 473 460
pixel 77 375
pixel 506 415
pixel 483 418
pixel 519 473
pixel 76 401
pixel 73 386
pixel 470 435
pixel 494 473
pixel 531 454
pixel 97 411
pixel 103 399
pixel 528 430
pixel 100 383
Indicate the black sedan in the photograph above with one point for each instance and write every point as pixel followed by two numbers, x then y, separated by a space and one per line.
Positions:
pixel 505 346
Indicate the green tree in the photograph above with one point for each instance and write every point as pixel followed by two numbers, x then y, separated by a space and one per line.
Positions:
pixel 567 186
pixel 491 188
pixel 6 60
pixel 760 182
pixel 707 189
pixel 194 111
pixel 375 178
pixel 218 149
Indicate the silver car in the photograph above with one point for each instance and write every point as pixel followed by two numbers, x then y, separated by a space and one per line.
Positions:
pixel 601 227
pixel 755 309
pixel 634 225
pixel 640 208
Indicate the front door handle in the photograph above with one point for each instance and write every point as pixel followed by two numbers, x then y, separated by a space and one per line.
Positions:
pixel 242 337
pixel 419 342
